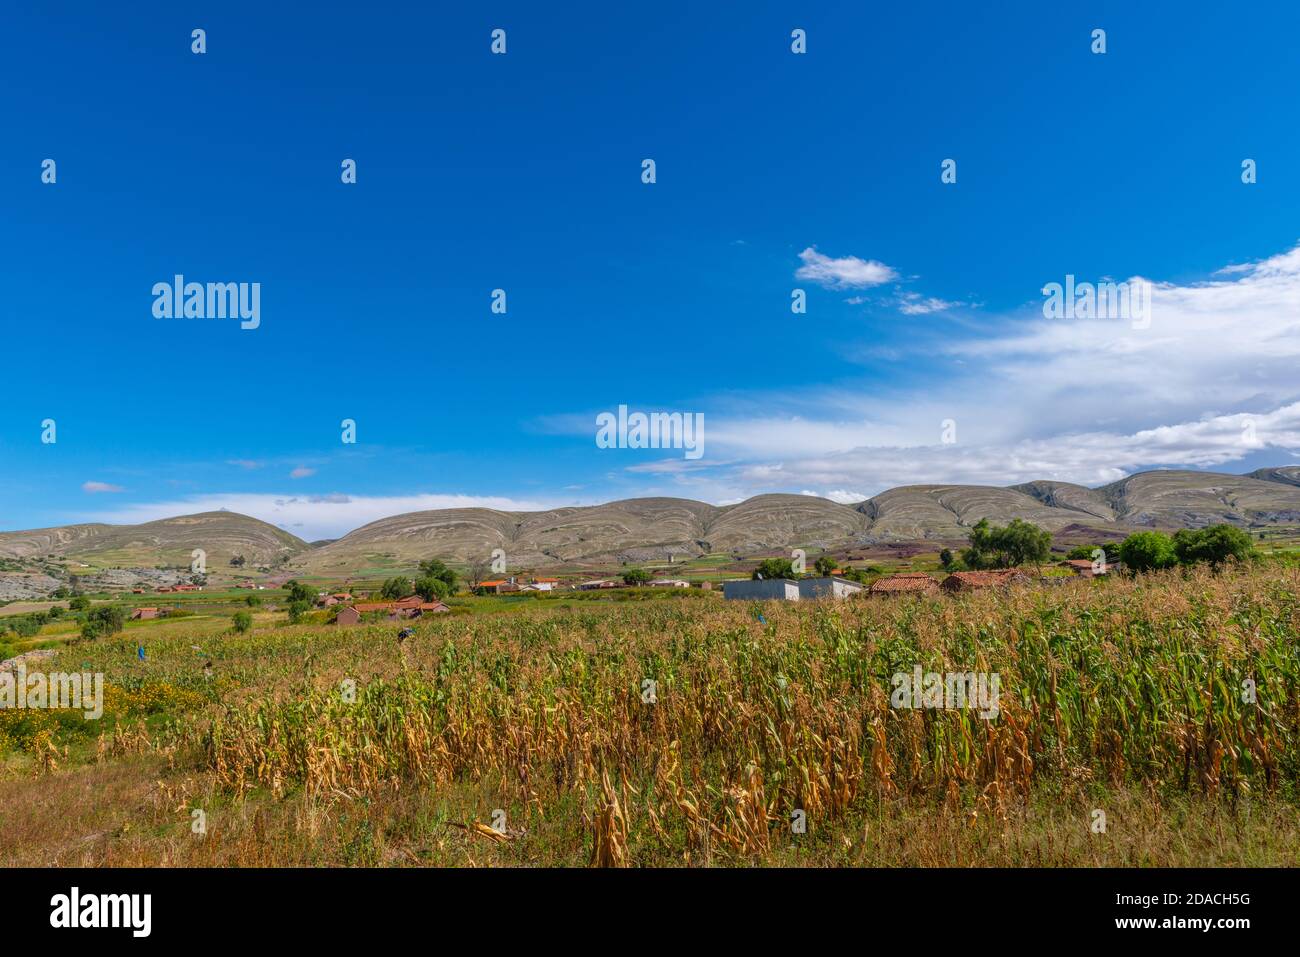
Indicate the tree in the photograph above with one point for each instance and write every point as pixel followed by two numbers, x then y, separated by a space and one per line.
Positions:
pixel 1081 552
pixel 238 561
pixel 636 576
pixel 299 592
pixel 296 610
pixel 252 601
pixel 1009 546
pixel 1215 544
pixel 1147 551
pixel 25 627
pixel 825 565
pixel 770 568
pixel 103 621
pixel 243 621
pixel 432 589
pixel 395 588
pixel 78 603
pixel 436 568
pixel 946 558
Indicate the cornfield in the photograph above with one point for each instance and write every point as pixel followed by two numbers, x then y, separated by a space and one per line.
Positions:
pixel 1171 684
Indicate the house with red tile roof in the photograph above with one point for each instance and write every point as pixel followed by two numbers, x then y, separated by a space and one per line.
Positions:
pixel 497 586
pixel 905 583
pixel 973 581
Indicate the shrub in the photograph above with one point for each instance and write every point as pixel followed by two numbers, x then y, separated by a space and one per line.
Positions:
pixel 771 568
pixel 242 621
pixel 1007 546
pixel 432 589
pixel 395 588
pixel 1215 545
pixel 1147 551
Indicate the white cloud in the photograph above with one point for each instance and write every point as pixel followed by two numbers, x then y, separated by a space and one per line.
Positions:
pixel 845 497
pixel 847 272
pixel 914 304
pixel 312 517
pixel 302 471
pixel 1087 401
pixel 95 488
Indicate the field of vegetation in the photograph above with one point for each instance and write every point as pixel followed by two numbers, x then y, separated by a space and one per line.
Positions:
pixel 1142 721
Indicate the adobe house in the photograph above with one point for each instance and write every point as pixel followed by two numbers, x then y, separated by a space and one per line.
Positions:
pixel 973 581
pixel 144 614
pixel 403 610
pixel 907 583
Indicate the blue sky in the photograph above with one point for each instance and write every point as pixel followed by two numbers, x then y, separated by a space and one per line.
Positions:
pixel 522 172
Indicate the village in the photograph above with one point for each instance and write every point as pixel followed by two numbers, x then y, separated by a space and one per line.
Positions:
pixel 346 609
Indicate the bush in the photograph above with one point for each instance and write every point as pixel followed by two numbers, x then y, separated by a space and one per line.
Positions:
pixel 25 627
pixel 997 546
pixel 436 568
pixel 395 588
pixel 299 592
pixel 1215 545
pixel 636 576
pixel 242 621
pixel 432 589
pixel 771 568
pixel 1147 551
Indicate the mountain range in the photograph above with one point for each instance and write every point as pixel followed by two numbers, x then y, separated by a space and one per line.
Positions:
pixel 652 529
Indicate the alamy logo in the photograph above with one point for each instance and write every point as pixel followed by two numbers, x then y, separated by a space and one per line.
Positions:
pixel 656 430
pixel 214 300
pixel 952 690
pixel 103 910
pixel 82 692
pixel 1101 300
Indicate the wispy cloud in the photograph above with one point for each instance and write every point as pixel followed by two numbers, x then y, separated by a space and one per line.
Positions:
pixel 846 272
pixel 914 304
pixel 96 488
pixel 1210 382
pixel 302 471
pixel 316 516
pixel 249 464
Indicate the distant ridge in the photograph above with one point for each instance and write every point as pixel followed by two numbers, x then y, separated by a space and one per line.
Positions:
pixel 168 541
pixel 653 529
